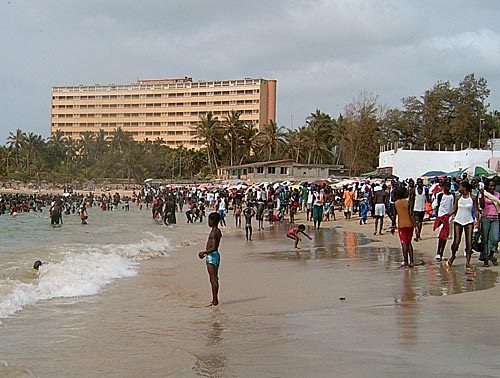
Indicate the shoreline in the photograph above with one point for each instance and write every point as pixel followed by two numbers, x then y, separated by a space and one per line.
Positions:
pixel 280 314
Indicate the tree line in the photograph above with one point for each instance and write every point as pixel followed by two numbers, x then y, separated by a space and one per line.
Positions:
pixel 443 117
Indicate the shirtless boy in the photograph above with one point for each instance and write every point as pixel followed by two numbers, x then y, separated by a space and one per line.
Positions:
pixel 212 256
pixel 248 213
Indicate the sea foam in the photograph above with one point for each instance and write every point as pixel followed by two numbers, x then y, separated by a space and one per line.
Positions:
pixel 80 270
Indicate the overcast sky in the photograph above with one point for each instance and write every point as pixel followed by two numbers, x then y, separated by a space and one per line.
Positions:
pixel 322 53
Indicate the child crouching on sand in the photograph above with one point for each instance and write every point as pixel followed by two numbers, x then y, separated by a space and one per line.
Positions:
pixel 405 225
pixel 212 255
pixel 293 233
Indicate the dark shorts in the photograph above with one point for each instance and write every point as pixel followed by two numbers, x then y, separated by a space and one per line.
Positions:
pixel 419 216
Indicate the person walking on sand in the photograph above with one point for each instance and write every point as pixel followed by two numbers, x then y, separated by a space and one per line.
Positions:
pixel 380 199
pixel 443 207
pixel 464 210
pixel 212 256
pixel 248 213
pixel 489 201
pixel 348 197
pixel 293 233
pixel 405 224
pixel 419 198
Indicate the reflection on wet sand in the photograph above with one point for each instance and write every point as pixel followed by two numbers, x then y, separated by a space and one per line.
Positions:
pixel 330 246
pixel 213 361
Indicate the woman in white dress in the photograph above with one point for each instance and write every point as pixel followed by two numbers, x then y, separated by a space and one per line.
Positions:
pixel 464 210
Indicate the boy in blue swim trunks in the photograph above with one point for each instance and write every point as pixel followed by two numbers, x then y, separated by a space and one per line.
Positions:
pixel 212 256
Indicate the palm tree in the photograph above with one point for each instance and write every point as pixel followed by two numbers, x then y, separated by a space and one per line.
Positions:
pixel 320 133
pixel 208 131
pixel 85 144
pixel 57 146
pixel 16 140
pixel 32 146
pixel 101 144
pixel 247 138
pixel 272 138
pixel 295 140
pixel 7 158
pixel 232 125
pixel 121 140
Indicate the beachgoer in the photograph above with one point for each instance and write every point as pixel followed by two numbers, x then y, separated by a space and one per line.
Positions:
pixel 380 198
pixel 260 214
pixel 293 233
pixel 464 221
pixel 212 255
pixel 237 214
pixel 222 208
pixel 248 213
pixel 83 214
pixel 309 203
pixel 419 199
pixel 489 201
pixel 319 200
pixel 405 224
pixel 348 197
pixel 37 265
pixel 363 211
pixel 443 206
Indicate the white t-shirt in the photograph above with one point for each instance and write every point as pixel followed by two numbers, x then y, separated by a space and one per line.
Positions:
pixel 446 204
pixel 310 197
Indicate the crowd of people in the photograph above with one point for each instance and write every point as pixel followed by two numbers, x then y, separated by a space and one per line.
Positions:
pixel 460 208
pixel 465 208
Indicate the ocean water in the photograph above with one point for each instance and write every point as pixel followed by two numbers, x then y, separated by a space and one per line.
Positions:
pixel 102 305
pixel 79 260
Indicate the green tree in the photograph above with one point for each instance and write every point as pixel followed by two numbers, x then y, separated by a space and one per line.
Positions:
pixel 15 140
pixel 208 131
pixel 271 139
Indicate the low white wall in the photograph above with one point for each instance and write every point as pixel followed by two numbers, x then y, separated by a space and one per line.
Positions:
pixel 414 163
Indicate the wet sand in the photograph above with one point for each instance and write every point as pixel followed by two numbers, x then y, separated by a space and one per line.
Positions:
pixel 280 315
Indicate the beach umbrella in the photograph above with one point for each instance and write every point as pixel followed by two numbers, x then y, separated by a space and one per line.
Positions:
pixel 478 170
pixel 434 174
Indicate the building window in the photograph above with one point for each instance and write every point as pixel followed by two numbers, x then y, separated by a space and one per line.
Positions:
pixel 260 169
pixel 283 170
pixel 271 170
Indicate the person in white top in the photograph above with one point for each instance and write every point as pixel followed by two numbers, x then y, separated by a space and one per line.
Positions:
pixel 464 210
pixel 420 197
pixel 443 206
pixel 309 203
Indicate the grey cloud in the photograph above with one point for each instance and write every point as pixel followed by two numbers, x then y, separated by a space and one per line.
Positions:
pixel 323 53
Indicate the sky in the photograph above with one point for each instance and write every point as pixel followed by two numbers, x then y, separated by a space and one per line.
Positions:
pixel 322 53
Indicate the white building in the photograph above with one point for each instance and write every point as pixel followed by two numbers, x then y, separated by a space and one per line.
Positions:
pixel 414 163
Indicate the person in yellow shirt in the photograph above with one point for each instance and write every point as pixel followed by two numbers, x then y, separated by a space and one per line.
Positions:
pixel 405 224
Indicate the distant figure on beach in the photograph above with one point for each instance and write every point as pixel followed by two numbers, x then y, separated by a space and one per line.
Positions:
pixel 442 207
pixel 212 255
pixel 37 265
pixel 248 213
pixel 466 214
pixel 56 212
pixel 237 215
pixel 363 211
pixel 293 233
pixel 83 214
pixel 405 224
pixel 380 200
pixel 260 214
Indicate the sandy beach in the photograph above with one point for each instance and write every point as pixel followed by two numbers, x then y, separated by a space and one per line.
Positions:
pixel 281 313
